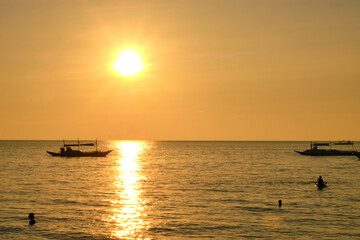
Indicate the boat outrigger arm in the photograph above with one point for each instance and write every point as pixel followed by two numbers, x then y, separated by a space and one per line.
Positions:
pixel 343 143
pixel 329 144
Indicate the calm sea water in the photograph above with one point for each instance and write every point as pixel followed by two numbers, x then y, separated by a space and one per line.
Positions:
pixel 177 190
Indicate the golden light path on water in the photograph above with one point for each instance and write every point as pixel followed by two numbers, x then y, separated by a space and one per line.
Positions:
pixel 128 212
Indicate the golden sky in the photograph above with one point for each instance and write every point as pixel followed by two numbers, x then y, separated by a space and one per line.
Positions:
pixel 213 69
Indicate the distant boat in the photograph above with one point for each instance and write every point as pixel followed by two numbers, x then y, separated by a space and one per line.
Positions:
pixel 67 151
pixel 315 151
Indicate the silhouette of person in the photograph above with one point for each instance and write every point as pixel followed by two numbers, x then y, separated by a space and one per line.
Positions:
pixel 280 203
pixel 320 182
pixel 32 220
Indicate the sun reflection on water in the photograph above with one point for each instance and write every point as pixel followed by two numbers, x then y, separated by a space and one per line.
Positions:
pixel 128 212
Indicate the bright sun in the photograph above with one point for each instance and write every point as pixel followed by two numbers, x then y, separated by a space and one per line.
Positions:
pixel 128 63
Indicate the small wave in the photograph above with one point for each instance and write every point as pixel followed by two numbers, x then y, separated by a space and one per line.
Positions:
pixel 286 182
pixel 256 209
pixel 160 230
pixel 10 229
pixel 65 201
pixel 233 200
pixel 73 235
pixel 221 190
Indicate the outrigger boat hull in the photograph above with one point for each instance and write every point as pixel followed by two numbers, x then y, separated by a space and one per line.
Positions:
pixel 325 152
pixel 75 153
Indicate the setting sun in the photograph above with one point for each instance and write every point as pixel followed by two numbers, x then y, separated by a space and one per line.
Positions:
pixel 128 63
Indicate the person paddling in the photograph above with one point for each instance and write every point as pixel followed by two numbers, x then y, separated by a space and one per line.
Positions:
pixel 32 220
pixel 320 183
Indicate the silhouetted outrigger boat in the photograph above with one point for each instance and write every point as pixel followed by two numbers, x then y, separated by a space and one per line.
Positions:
pixel 67 151
pixel 315 151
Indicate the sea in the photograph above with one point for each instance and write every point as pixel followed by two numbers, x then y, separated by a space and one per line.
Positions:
pixel 177 190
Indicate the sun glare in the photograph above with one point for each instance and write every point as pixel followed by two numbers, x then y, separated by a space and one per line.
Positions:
pixel 129 203
pixel 128 63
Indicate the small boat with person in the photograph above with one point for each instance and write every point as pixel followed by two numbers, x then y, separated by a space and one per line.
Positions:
pixel 67 151
pixel 320 184
pixel 315 149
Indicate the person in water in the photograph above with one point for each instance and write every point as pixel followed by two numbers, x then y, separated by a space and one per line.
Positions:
pixel 320 182
pixel 280 203
pixel 32 220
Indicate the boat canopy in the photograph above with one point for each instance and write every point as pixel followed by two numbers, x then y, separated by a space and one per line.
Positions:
pixel 321 144
pixel 79 144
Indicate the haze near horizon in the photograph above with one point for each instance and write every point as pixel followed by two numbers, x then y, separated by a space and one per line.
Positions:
pixel 209 70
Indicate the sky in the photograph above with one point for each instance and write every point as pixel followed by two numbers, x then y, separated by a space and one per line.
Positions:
pixel 213 70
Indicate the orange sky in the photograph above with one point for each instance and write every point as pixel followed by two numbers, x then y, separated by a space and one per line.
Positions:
pixel 214 70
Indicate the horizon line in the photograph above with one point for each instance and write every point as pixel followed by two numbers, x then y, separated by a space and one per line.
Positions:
pixel 177 140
